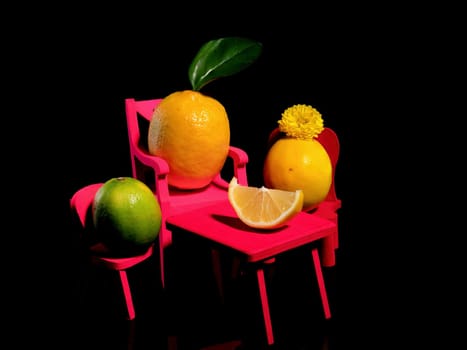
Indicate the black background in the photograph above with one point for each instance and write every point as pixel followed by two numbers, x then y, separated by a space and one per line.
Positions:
pixel 79 66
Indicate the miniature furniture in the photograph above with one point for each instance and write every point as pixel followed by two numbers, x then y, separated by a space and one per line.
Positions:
pixel 153 171
pixel 208 214
pixel 81 203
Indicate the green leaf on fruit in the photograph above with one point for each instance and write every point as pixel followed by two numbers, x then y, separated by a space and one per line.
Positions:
pixel 221 58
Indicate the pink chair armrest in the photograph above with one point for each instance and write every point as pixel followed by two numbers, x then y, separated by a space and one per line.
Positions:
pixel 160 166
pixel 162 169
pixel 240 159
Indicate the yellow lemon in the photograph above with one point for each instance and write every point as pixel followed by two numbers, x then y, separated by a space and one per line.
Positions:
pixel 191 132
pixel 292 164
pixel 262 207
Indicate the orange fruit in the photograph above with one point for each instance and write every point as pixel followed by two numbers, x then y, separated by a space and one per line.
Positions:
pixel 126 214
pixel 293 164
pixel 191 132
pixel 296 159
pixel 262 207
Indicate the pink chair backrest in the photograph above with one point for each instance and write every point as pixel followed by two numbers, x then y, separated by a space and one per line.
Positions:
pixel 328 138
pixel 82 200
pixel 144 108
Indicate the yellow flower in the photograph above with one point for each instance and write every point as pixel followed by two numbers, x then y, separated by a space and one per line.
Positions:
pixel 301 122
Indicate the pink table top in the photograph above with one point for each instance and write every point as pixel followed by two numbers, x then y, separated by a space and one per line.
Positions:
pixel 220 224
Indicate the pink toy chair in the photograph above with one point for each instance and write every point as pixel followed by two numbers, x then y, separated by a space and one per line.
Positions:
pixel 153 171
pixel 81 203
pixel 209 215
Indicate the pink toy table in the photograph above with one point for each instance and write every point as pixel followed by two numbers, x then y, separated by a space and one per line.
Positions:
pixel 220 224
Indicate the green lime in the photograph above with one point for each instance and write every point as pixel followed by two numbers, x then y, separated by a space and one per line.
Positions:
pixel 126 215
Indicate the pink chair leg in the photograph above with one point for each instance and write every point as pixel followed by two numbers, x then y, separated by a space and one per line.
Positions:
pixel 161 258
pixel 216 265
pixel 322 288
pixel 336 240
pixel 265 305
pixel 328 252
pixel 127 293
pixel 235 268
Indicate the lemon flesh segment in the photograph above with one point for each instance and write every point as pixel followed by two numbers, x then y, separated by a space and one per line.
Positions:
pixel 264 208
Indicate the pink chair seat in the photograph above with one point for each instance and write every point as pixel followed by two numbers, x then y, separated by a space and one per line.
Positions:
pixel 182 201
